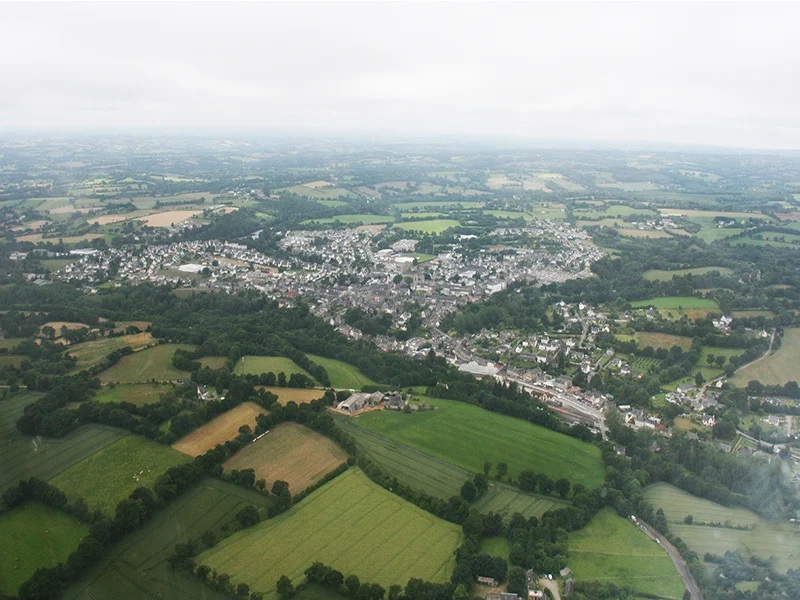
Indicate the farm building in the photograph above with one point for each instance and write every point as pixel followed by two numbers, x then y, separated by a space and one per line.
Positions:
pixel 358 401
pixel 394 401
pixel 501 596
pixel 491 582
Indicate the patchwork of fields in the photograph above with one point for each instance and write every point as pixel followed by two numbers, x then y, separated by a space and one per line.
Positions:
pixel 612 549
pixel 350 524
pixel 292 453
pixel 136 568
pixel 219 430
pixel 468 436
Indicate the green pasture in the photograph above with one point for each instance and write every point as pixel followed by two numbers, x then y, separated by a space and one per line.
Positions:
pixel 612 549
pixel 350 524
pixel 436 206
pixel 139 394
pixel 146 365
pixel 34 536
pixel 496 546
pixel 255 365
pixel 213 362
pixel 660 275
pixel 365 219
pixel 89 354
pixel 429 226
pixel 676 302
pixel 137 568
pixel 320 193
pixel 24 456
pixel 780 367
pixel 468 436
pixel 342 374
pixel 110 475
pixel 506 500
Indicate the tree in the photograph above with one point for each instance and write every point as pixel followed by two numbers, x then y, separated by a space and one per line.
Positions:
pixel 502 470
pixel 242 590
pixel 562 487
pixel 487 466
pixel 284 587
pixel 248 516
pixel 468 491
pixel 699 379
pixel 460 593
pixel 352 584
pixel 517 582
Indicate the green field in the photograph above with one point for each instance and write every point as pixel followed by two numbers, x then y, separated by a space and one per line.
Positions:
pixel 659 275
pixel 509 214
pixel 779 542
pixel 496 546
pixel 93 353
pixel 430 226
pixel 139 394
pixel 612 549
pixel 10 343
pixel 255 365
pixel 506 500
pixel 11 360
pixel 34 536
pixel 779 367
pixel 146 365
pixel 365 219
pixel 318 193
pixel 213 362
pixel 468 436
pixel 110 475
pixel 350 524
pixel 675 302
pixel 136 568
pixel 432 205
pixel 25 456
pixel 342 374
pixel 662 340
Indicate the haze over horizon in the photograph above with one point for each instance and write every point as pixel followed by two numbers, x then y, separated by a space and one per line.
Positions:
pixel 714 74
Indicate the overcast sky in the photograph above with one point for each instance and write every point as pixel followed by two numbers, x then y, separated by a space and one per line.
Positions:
pixel 719 74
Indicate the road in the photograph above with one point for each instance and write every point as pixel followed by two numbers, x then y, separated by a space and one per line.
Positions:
pixel 551 585
pixel 680 564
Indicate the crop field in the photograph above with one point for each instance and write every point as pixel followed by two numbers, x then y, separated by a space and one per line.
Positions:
pixel 342 374
pixel 662 340
pixel 292 453
pixel 59 325
pixel 779 367
pixel 136 568
pixel 365 218
pixel 652 234
pixel 89 354
pixel 213 362
pixel 169 218
pixel 350 524
pixel 146 365
pixel 219 430
pixel 714 234
pixel 712 213
pixel 641 364
pixel 255 365
pixel 468 436
pixel 509 214
pixel 298 395
pixel 676 302
pixel 34 537
pixel 612 549
pixel 110 475
pixel 779 542
pixel 614 211
pixel 25 456
pixel 659 275
pixel 139 394
pixel 506 500
pixel 317 192
pixel 431 226
pixel 433 205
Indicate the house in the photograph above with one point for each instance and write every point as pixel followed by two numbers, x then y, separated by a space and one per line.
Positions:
pixel 501 596
pixel 535 594
pixel 565 572
pixel 490 581
pixel 562 382
pixel 394 401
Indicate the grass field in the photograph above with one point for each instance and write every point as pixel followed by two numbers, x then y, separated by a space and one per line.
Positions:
pixel 139 394
pixel 219 430
pixel 34 536
pixel 299 395
pixel 12 360
pixel 365 218
pixel 659 275
pixel 662 340
pixel 496 546
pixel 292 453
pixel 146 365
pixel 612 549
pixel 213 362
pixel 779 542
pixel 350 524
pixel 255 365
pixel 136 568
pixel 468 436
pixel 778 368
pixel 675 302
pixel 430 226
pixel 506 500
pixel 10 343
pixel 342 375
pixel 89 354
pixel 318 192
pixel 24 456
pixel 111 474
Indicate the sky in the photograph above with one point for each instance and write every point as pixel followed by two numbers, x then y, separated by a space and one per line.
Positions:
pixel 717 74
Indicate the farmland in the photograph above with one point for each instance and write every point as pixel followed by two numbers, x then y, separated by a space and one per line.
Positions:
pixel 89 354
pixel 139 394
pixel 255 365
pixel 350 524
pixel 213 362
pixel 219 430
pixel 169 218
pixel 366 219
pixel 675 302
pixel 612 549
pixel 108 476
pixel 779 542
pixel 136 568
pixel 430 226
pixel 662 340
pixel 505 501
pixel 34 536
pixel 291 453
pixel 466 435
pixel 25 456
pixel 342 375
pixel 779 367
pixel 298 395
pixel 146 365
pixel 659 275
